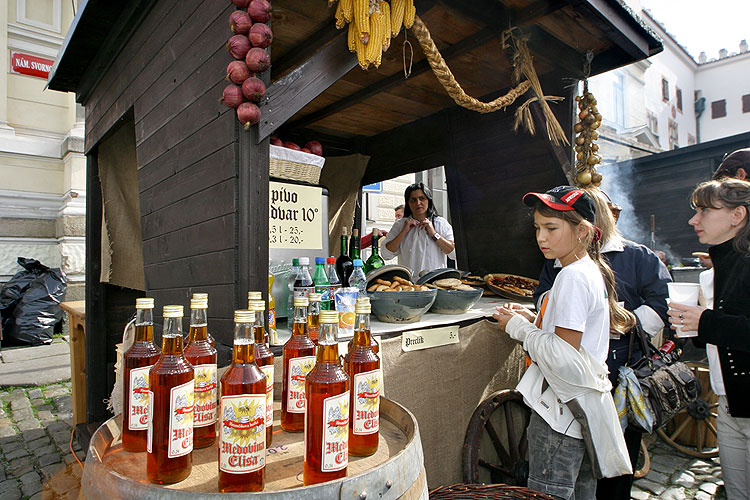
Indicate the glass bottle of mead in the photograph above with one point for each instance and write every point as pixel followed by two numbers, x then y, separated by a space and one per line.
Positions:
pixel 299 359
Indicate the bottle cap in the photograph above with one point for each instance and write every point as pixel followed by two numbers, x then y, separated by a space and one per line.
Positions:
pixel 256 305
pixel 295 262
pixel 344 231
pixel 301 302
pixel 329 317
pixel 376 232
pixel 314 297
pixel 244 316
pixel 144 303
pixel 198 303
pixel 331 260
pixel 355 232
pixel 173 311
pixel 320 260
pixel 357 262
pixel 362 306
pixel 304 261
pixel 254 296
pixel 200 295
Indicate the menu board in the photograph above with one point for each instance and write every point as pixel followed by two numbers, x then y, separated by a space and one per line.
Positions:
pixel 295 216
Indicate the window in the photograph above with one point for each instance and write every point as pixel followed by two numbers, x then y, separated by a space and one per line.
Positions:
pixel 746 103
pixel 674 141
pixel 664 89
pixel 618 94
pixel 653 123
pixel 691 140
pixel 719 109
pixel 678 92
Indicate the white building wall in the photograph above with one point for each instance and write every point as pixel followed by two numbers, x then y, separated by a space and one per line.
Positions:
pixel 729 79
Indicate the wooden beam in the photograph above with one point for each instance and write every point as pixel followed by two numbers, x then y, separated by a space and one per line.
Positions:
pixel 305 49
pixel 294 91
pixel 545 46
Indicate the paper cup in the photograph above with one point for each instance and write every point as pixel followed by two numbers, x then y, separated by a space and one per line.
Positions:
pixel 346 298
pixel 684 293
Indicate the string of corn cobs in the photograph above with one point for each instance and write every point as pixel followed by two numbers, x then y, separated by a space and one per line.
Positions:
pixel 587 157
pixel 372 24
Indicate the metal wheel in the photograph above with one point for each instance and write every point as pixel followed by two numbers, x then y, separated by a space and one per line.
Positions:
pixel 695 425
pixel 495 448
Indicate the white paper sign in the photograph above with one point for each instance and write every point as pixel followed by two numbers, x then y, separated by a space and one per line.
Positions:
pixel 432 337
pixel 295 216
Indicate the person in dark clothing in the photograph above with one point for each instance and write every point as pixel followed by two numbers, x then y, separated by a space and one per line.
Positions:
pixel 721 220
pixel 641 283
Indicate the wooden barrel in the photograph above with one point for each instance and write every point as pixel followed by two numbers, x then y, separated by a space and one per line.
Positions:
pixel 395 471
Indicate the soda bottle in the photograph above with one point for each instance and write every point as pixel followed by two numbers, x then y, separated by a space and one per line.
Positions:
pixel 313 316
pixel 299 359
pixel 322 284
pixel 334 282
pixel 264 360
pixel 344 266
pixel 170 424
pixel 242 439
pixel 358 279
pixel 202 356
pixel 272 311
pixel 137 361
pixel 375 260
pixel 363 367
pixel 304 283
pixel 211 339
pixel 290 298
pixel 327 418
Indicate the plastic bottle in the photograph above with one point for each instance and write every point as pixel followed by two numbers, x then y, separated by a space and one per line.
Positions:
pixel 333 280
pixel 304 284
pixel 290 299
pixel 272 311
pixel 322 285
pixel 358 279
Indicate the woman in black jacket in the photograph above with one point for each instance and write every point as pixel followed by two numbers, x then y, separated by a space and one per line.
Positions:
pixel 721 220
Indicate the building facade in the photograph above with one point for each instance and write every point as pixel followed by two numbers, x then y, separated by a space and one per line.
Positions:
pixel 42 166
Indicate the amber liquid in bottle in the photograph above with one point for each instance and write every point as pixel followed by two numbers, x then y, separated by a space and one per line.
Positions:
pixel 264 357
pixel 299 345
pixel 243 377
pixel 365 391
pixel 170 372
pixel 313 327
pixel 142 354
pixel 202 356
pixel 326 380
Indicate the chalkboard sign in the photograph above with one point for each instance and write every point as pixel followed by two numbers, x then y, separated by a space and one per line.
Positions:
pixel 295 215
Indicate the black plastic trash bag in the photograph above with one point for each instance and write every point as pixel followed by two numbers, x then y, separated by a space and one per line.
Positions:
pixel 12 291
pixel 35 316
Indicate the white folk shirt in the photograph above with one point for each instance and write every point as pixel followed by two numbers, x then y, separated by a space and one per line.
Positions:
pixel 577 301
pixel 418 251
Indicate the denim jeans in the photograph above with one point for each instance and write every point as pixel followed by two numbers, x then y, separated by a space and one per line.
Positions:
pixel 558 464
pixel 734 452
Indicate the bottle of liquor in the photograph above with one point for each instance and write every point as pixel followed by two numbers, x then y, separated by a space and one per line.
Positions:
pixel 299 359
pixel 373 343
pixel 334 282
pixel 327 420
pixel 211 339
pixel 170 426
pixel 354 245
pixel 137 361
pixel 264 360
pixel 322 284
pixel 313 316
pixel 272 312
pixel 202 356
pixel 358 279
pixel 290 298
pixel 375 260
pixel 344 266
pixel 363 367
pixel 242 439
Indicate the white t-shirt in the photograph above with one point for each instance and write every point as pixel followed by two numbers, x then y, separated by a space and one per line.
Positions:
pixel 577 301
pixel 417 250
pixel 706 279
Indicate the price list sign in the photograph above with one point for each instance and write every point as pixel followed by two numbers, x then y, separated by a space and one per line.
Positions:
pixel 295 215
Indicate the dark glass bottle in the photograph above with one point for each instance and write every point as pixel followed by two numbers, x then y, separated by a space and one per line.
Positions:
pixel 354 245
pixel 344 263
pixel 375 260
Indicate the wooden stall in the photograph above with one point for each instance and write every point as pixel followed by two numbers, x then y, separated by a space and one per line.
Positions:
pixel 150 73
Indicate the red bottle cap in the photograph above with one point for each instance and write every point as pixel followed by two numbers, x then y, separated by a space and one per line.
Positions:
pixel 331 260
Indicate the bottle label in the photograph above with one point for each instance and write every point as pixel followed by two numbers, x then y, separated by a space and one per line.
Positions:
pixel 335 442
pixel 138 399
pixel 150 431
pixel 181 409
pixel 325 296
pixel 268 370
pixel 242 443
pixel 205 395
pixel 366 411
pixel 303 291
pixel 272 319
pixel 298 370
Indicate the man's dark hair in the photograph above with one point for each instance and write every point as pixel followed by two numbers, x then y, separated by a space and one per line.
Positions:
pixel 400 207
pixel 419 186
pixel 732 163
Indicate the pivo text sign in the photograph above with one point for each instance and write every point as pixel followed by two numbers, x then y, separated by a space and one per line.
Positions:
pixel 295 215
pixel 432 337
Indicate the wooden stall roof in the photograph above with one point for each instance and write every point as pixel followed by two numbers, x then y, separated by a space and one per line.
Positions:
pixel 318 89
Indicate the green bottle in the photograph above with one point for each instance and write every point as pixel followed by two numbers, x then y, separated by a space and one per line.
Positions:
pixel 322 285
pixel 375 260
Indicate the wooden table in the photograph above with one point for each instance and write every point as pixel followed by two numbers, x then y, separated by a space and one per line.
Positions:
pixel 77 325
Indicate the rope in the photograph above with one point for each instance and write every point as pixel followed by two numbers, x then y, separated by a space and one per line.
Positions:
pixel 448 81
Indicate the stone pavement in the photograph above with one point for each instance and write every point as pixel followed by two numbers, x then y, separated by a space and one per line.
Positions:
pixel 35 366
pixel 36 461
pixel 676 476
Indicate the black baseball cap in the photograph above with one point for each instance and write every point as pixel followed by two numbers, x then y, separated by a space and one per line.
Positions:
pixel 565 199
pixel 733 162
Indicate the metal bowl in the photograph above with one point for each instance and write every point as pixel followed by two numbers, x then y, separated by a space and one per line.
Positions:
pixel 455 301
pixel 401 307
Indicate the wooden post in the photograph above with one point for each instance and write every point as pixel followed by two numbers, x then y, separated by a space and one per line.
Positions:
pixel 76 325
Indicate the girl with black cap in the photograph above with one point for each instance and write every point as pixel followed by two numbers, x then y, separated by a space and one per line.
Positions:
pixel 574 434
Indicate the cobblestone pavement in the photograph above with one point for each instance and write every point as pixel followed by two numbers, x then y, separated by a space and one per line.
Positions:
pixel 35 430
pixel 676 476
